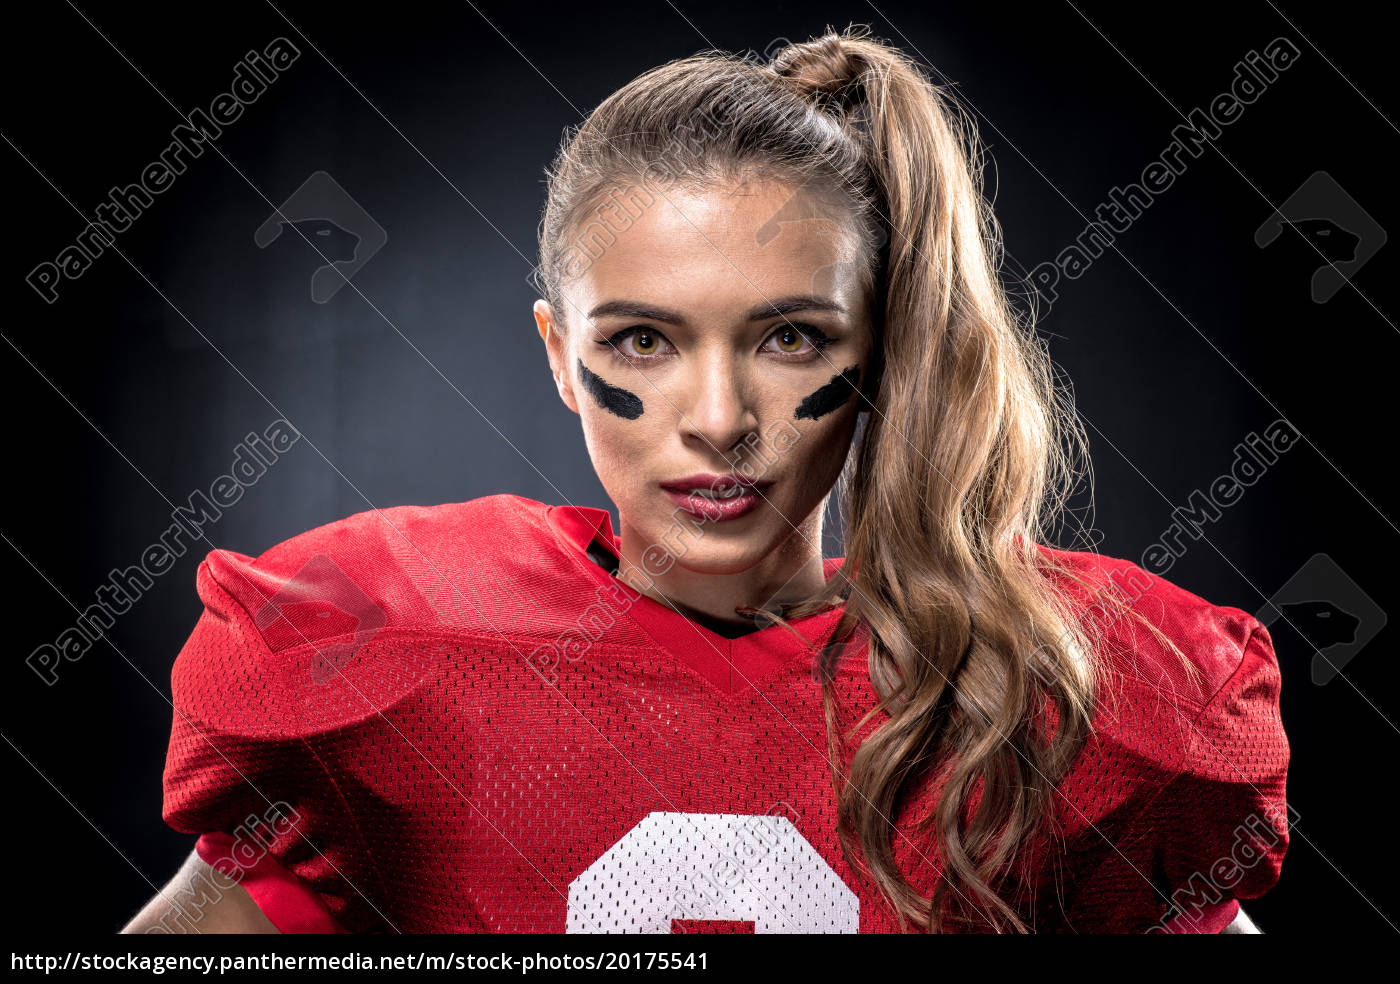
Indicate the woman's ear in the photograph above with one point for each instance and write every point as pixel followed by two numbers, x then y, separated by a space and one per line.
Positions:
pixel 557 351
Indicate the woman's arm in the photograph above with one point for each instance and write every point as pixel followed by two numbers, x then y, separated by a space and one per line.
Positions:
pixel 198 899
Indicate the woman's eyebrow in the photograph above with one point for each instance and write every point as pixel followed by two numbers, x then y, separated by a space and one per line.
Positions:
pixel 799 302
pixel 768 309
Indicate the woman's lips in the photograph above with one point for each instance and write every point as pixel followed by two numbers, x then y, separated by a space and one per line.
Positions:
pixel 715 509
pixel 718 509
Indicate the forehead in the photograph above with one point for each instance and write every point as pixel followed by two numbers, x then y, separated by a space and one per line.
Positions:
pixel 715 252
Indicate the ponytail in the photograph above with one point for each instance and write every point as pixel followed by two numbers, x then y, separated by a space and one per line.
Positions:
pixel 952 476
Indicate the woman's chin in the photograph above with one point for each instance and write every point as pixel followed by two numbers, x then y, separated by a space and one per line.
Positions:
pixel 724 545
pixel 713 558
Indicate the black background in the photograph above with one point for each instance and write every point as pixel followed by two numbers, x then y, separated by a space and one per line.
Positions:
pixel 1179 344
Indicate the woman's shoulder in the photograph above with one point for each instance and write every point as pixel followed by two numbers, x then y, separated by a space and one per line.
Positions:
pixel 345 606
pixel 415 528
pixel 399 566
pixel 1152 630
pixel 1187 766
pixel 1188 690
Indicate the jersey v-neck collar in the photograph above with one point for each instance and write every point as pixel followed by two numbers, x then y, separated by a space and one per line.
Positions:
pixel 728 664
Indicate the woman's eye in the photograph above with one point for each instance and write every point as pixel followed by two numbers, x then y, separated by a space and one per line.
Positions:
pixel 645 343
pixel 637 343
pixel 791 340
pixel 641 343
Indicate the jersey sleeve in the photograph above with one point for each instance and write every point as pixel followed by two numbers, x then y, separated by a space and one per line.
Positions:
pixel 1221 823
pixel 242 767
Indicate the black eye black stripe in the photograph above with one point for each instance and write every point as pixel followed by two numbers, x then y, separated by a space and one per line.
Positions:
pixel 831 396
pixel 611 398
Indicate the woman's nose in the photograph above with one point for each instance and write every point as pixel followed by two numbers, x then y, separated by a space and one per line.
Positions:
pixel 719 413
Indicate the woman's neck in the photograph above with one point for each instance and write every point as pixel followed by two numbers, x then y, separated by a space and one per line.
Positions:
pixel 788 574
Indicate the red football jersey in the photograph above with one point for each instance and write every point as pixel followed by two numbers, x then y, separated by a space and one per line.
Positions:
pixel 451 719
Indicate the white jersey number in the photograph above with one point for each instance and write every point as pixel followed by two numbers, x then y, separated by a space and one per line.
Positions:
pixel 755 869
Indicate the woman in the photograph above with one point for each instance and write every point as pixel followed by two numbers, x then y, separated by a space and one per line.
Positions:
pixel 759 282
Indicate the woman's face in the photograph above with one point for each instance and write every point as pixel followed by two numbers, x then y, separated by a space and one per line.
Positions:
pixel 679 366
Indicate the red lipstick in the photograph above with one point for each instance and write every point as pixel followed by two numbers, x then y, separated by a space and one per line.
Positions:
pixel 716 497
